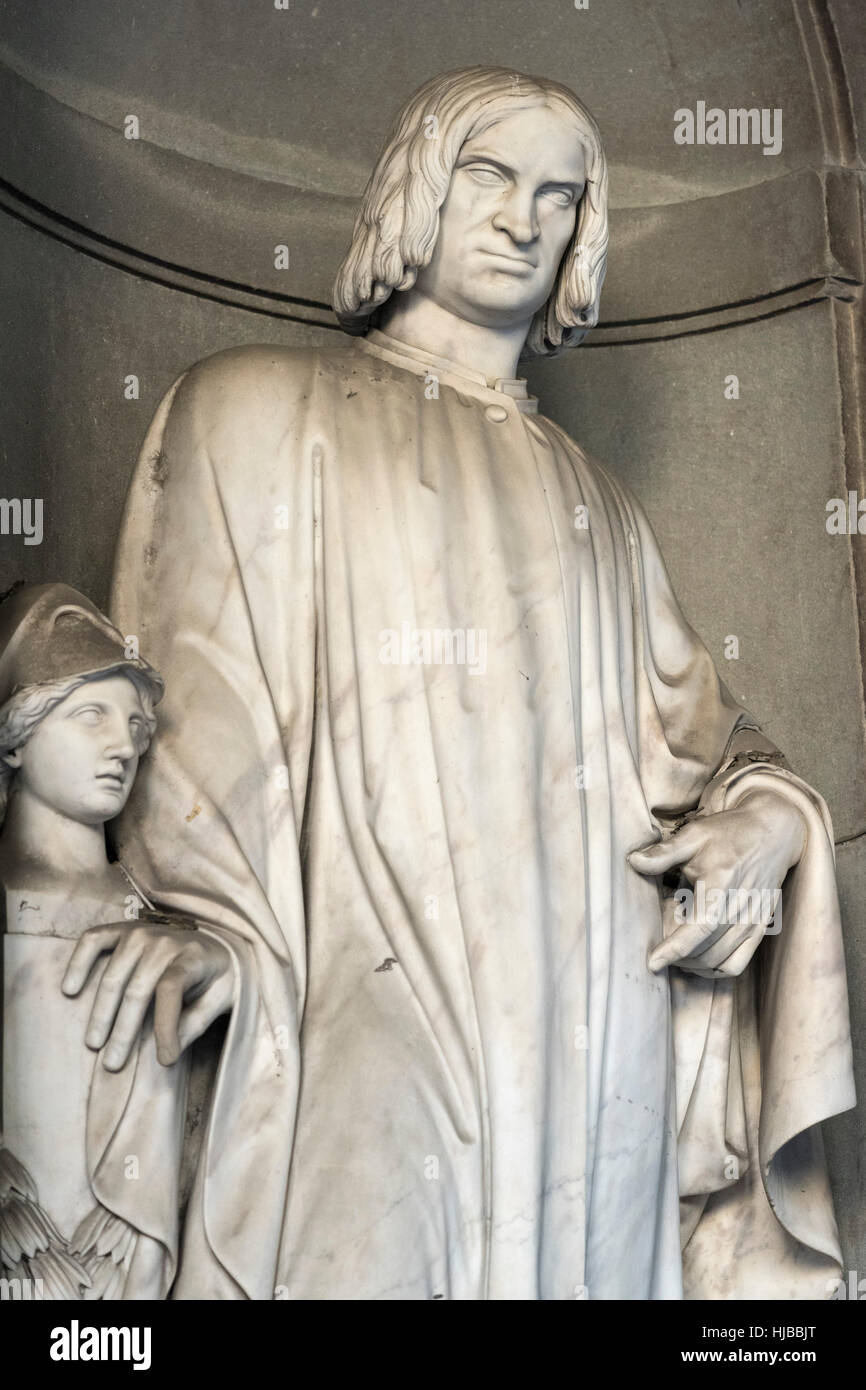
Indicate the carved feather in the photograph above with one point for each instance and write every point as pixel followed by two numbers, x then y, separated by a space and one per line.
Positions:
pixel 105 1244
pixel 31 1247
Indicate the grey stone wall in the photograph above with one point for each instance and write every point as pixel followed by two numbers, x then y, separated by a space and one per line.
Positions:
pixel 258 127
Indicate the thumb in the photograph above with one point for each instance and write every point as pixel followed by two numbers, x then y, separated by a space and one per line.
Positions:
pixel 658 858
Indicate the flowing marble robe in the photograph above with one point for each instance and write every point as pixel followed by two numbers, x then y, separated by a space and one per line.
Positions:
pixel 84 1220
pixel 449 1072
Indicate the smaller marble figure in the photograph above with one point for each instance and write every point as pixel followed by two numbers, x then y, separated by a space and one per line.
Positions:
pixel 91 1144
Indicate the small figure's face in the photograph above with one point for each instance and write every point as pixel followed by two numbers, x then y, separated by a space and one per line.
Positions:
pixel 82 758
pixel 508 217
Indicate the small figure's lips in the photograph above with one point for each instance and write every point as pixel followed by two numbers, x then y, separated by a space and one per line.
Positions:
pixel 117 778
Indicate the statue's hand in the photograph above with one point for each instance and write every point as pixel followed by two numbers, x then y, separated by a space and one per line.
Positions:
pixel 186 973
pixel 736 861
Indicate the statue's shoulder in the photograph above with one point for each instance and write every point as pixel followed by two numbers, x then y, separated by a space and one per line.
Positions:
pixel 599 477
pixel 585 462
pixel 251 381
pixel 246 408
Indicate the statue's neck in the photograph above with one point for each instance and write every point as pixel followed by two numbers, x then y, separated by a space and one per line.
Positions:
pixel 420 322
pixel 40 847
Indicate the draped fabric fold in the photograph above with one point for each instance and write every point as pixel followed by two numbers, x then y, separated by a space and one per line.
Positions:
pixel 136 1116
pixel 761 1061
pixel 427 685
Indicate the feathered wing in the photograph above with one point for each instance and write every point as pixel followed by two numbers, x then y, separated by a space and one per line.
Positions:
pixel 31 1247
pixel 105 1244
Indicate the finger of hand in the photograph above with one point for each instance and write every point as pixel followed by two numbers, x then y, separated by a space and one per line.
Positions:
pixel 110 989
pixel 672 917
pixel 91 945
pixel 131 1003
pixel 732 965
pixel 197 1017
pixel 657 858
pixel 756 908
pixel 175 981
pixel 686 941
pixel 718 951
pixel 737 961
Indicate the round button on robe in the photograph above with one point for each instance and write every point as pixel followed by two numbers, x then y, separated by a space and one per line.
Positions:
pixel 497 414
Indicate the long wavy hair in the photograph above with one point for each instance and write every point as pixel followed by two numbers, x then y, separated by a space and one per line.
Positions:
pixel 396 228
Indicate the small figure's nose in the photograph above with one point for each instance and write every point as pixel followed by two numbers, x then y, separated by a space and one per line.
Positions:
pixel 518 217
pixel 119 744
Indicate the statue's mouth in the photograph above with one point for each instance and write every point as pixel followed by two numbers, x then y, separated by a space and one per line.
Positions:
pixel 512 260
pixel 115 779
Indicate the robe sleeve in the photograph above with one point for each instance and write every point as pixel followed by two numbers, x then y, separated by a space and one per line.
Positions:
pixel 762 1059
pixel 213 827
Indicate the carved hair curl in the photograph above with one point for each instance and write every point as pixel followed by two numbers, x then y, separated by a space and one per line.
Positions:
pixel 396 228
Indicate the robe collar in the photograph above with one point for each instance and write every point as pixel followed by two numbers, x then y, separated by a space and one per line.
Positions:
pixel 416 359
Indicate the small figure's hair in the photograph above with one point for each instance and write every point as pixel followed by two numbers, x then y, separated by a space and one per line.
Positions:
pixel 22 715
pixel 396 228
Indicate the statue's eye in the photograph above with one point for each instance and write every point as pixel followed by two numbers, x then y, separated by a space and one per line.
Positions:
pixel 563 197
pixel 91 714
pixel 483 173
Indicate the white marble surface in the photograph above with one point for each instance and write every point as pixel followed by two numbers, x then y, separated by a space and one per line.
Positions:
pixel 79 1218
pixel 435 724
pixel 47 1068
pixel 493 1116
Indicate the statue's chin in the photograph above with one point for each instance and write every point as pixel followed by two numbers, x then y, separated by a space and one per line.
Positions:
pixel 499 312
pixel 96 809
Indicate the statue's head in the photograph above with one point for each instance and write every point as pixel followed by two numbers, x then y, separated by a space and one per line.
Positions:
pixel 76 705
pixel 489 197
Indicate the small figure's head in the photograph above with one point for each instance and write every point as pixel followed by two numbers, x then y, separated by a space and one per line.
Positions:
pixel 78 752
pixel 76 709
pixel 490 198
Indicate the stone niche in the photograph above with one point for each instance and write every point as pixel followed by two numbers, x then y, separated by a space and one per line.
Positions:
pixel 154 164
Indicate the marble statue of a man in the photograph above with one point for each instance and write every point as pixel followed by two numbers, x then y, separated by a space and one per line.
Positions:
pixel 428 690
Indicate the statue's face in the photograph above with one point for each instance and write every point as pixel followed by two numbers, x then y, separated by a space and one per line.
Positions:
pixel 82 758
pixel 508 217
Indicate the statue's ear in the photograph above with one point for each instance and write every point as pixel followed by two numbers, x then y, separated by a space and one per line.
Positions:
pixel 12 758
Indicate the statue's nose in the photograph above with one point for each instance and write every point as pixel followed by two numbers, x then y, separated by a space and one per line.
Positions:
pixel 517 217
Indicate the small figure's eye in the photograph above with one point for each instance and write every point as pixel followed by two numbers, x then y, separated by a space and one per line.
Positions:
pixel 139 732
pixel 90 714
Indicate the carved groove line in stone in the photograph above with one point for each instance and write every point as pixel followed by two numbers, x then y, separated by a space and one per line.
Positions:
pixel 270 304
